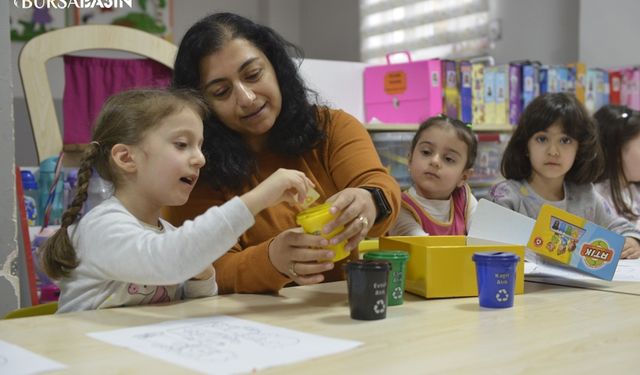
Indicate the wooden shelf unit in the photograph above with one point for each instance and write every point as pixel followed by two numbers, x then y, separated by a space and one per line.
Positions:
pixel 413 127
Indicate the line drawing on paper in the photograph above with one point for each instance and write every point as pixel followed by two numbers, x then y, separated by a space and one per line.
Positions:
pixel 214 341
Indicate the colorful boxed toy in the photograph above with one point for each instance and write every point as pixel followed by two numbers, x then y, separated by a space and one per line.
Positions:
pixel 602 89
pixel 477 92
pixel 630 90
pixel 556 237
pixel 466 96
pixel 615 84
pixel 553 82
pixel 566 81
pixel 579 71
pixel 590 90
pixel 451 99
pixel 490 95
pixel 515 92
pixel 502 94
pixel 543 79
pixel 530 84
pixel 574 241
pixel 442 266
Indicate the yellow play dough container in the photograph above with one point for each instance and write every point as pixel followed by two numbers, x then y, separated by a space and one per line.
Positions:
pixel 313 219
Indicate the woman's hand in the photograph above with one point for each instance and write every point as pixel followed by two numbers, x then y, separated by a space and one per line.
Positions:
pixel 301 256
pixel 631 248
pixel 357 213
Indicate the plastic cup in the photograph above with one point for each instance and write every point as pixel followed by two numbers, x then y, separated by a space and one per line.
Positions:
pixel 31 196
pixel 313 219
pixel 496 275
pixel 47 176
pixel 398 260
pixel 48 291
pixel 367 284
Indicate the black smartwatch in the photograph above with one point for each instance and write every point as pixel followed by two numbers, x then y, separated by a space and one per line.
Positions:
pixel 382 205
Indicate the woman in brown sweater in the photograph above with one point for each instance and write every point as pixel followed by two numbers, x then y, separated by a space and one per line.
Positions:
pixel 263 120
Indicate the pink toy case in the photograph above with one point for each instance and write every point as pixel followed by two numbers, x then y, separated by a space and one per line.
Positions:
pixel 404 93
pixel 630 90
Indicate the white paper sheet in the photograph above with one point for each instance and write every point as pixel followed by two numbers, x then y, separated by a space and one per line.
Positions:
pixel 15 360
pixel 223 344
pixel 493 222
pixel 627 270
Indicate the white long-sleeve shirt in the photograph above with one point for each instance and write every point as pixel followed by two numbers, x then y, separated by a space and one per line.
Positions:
pixel 125 262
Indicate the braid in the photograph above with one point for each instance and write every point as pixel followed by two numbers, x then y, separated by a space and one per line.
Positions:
pixel 84 174
pixel 58 256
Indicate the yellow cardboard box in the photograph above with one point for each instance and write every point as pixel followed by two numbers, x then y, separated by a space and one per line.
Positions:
pixel 441 266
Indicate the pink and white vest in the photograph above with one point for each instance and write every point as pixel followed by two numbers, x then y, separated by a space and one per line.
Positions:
pixel 456 224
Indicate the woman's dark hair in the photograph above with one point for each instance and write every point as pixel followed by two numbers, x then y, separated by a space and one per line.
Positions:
pixel 541 113
pixel 230 163
pixel 125 118
pixel 463 131
pixel 617 125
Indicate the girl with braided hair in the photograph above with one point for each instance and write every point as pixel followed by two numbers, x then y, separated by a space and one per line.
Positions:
pixel 121 253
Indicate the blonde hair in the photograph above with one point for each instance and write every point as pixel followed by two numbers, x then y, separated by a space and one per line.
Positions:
pixel 125 118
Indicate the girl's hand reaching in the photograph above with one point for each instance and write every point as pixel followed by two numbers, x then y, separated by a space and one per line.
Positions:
pixel 284 185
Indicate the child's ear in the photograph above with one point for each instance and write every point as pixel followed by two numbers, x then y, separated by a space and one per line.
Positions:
pixel 122 156
pixel 465 176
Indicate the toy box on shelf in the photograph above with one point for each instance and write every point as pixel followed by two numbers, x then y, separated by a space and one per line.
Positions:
pixel 408 92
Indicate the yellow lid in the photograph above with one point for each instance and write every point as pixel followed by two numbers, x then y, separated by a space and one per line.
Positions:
pixel 310 212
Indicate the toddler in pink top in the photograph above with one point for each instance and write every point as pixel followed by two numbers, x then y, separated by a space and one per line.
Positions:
pixel 440 201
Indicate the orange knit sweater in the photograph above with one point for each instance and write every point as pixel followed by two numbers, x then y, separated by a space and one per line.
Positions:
pixel 347 158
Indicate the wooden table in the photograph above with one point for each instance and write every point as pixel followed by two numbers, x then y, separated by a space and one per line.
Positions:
pixel 551 329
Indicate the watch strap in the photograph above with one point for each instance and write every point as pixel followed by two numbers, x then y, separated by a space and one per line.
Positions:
pixel 382 205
